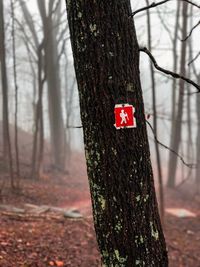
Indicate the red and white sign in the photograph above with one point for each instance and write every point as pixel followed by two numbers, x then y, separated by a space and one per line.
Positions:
pixel 124 116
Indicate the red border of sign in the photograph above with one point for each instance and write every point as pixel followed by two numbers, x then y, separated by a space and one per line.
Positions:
pixel 134 119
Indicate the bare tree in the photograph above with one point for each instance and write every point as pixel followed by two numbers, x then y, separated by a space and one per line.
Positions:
pixel 50 59
pixel 153 83
pixel 198 141
pixel 176 134
pixel 38 150
pixel 16 92
pixel 6 132
pixel 35 50
pixel 58 139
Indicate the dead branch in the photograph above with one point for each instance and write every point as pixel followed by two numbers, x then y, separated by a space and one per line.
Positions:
pixel 189 165
pixel 168 72
pixel 195 58
pixel 191 31
pixel 158 4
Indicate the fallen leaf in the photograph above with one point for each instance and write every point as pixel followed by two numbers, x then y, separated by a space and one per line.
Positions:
pixel 59 263
pixel 4 243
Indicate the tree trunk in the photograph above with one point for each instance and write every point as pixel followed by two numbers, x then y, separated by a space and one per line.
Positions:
pixel 125 210
pixel 198 142
pixel 16 94
pixel 176 135
pixel 6 132
pixel 57 128
pixel 37 152
pixel 155 126
pixel 190 147
pixel 174 82
pixel 175 59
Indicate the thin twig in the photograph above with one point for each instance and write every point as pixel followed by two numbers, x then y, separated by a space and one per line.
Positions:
pixel 195 58
pixel 74 127
pixel 184 180
pixel 189 165
pixel 158 4
pixel 168 72
pixel 191 31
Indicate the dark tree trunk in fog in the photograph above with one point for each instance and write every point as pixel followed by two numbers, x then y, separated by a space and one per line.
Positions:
pixel 197 75
pixel 16 93
pixel 174 82
pixel 155 126
pixel 190 148
pixel 38 136
pixel 38 142
pixel 6 133
pixel 125 210
pixel 175 59
pixel 176 134
pixel 198 142
pixel 57 128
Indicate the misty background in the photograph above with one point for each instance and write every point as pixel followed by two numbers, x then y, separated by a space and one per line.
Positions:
pixel 162 28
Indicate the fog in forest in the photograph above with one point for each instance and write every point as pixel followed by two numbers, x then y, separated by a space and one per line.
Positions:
pixel 43 174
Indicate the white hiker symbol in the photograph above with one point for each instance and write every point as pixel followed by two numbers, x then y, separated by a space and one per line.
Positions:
pixel 124 116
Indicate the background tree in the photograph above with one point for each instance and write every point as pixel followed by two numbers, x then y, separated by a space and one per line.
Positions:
pixel 7 153
pixel 48 58
pixel 155 124
pixel 16 91
pixel 57 129
pixel 176 132
pixel 106 56
pixel 37 53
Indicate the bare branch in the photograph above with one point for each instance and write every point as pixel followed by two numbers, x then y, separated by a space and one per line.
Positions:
pixel 168 72
pixel 193 28
pixel 27 40
pixel 53 10
pixel 74 127
pixel 189 165
pixel 149 7
pixel 62 49
pixel 195 58
pixel 29 21
pixel 158 4
pixel 162 19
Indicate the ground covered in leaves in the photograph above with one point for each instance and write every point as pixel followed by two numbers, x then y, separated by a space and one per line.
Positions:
pixel 49 239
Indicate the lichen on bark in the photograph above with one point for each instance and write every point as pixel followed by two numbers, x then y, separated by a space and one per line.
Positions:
pixel 119 169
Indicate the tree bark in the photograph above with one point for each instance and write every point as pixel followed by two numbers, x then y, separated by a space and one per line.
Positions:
pixel 106 57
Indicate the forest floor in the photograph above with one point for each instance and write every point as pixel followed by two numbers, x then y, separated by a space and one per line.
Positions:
pixel 46 238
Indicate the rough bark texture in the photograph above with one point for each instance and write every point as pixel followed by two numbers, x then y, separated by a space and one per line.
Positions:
pixel 106 59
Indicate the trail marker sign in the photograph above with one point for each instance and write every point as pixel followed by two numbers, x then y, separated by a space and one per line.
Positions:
pixel 124 116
